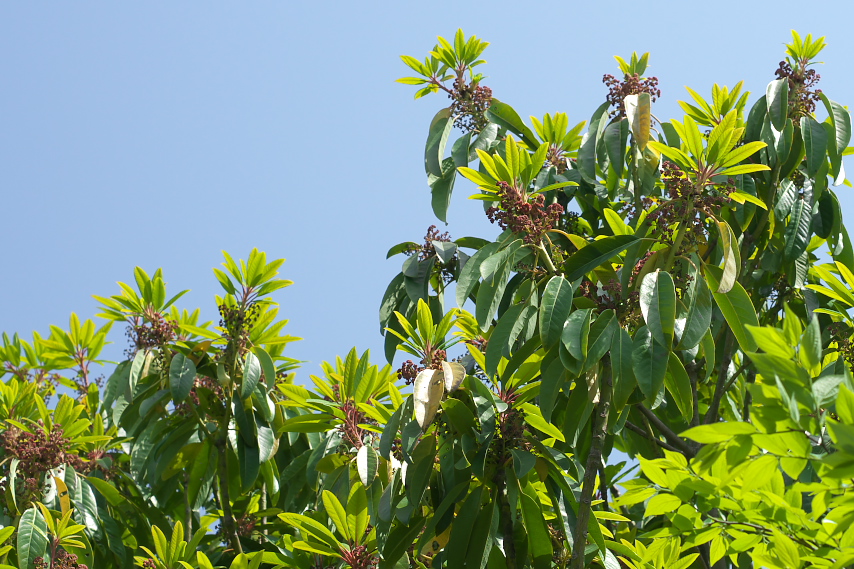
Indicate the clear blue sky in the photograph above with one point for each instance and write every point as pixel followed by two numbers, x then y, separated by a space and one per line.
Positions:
pixel 160 133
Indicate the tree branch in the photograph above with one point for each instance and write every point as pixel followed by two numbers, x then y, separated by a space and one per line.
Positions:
pixel 671 437
pixel 594 459
pixel 644 434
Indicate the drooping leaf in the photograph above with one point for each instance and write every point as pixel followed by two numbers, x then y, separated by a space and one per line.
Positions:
pixel 777 95
pixel 32 537
pixel 427 392
pixel 736 308
pixel 649 362
pixel 595 254
pixel 182 375
pixel 437 138
pixel 555 307
pixel 658 306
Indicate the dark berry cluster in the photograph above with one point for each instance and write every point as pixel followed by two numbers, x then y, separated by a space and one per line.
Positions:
pixel 470 103
pixel 238 322
pixel 802 95
pixel 841 334
pixel 245 525
pixel 428 249
pixel 676 182
pixel 63 560
pixel 201 382
pixel 158 331
pixel 408 371
pixel 149 564
pixel 630 85
pixel 40 451
pixel 520 214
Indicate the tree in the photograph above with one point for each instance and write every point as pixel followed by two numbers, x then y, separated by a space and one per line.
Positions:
pixel 676 291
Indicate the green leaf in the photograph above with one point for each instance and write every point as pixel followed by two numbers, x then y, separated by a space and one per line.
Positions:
pixel 357 512
pixel 718 432
pixel 441 188
pixel 661 504
pixel 595 254
pixel 777 95
pixel 434 153
pixel 470 274
pixel 742 197
pixel 182 376
pixel 251 375
pixel 336 513
pixel 699 317
pixel 576 333
pixel 505 333
pixel 736 308
pixel 539 539
pixel 366 464
pixel 504 115
pixel 797 230
pixel 615 136
pixel 815 144
pixel 249 460
pixel 678 384
pixel 658 306
pixel 649 362
pixel 32 537
pixel 621 368
pixel 731 258
pixel 555 307
pixel 638 112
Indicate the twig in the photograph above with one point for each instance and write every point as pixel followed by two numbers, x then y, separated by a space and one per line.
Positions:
pixel 672 437
pixel 594 459
pixel 644 434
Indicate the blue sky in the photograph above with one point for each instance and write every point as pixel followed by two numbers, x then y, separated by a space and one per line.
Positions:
pixel 160 133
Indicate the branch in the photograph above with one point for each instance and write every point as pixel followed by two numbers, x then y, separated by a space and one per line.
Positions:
pixel 644 434
pixel 712 414
pixel 672 437
pixel 594 459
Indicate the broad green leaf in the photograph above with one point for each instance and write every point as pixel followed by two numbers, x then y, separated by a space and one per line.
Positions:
pixel 615 144
pixel 662 504
pixel 505 333
pixel 555 307
pixel 437 138
pixel 797 234
pixel 251 375
pixel 621 368
pixel 718 432
pixel 699 317
pixel 616 223
pixel 441 188
pixel 504 115
pixel 777 95
pixel 678 384
pixel 32 537
pixel 470 274
pixel 535 419
pixel 182 375
pixel 366 464
pixel 336 513
pixel 595 254
pixel 682 160
pixel 731 257
pixel 742 197
pixel 736 308
pixel 357 512
pixel 539 539
pixel 576 333
pixel 815 144
pixel 658 306
pixel 649 362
